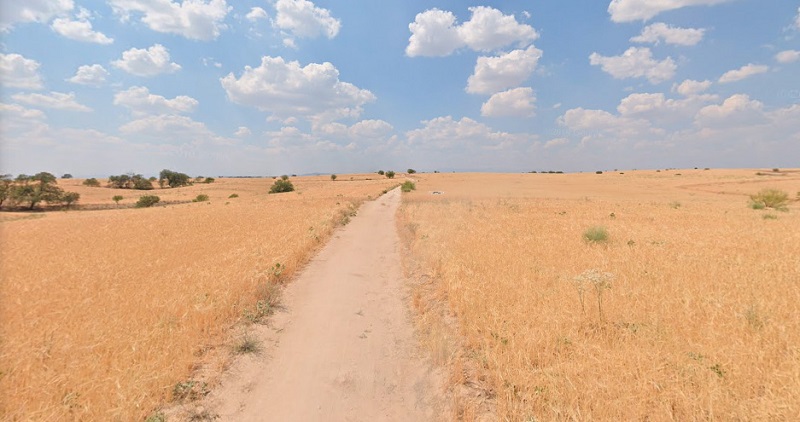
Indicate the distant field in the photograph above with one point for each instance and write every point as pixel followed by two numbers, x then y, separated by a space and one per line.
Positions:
pixel 699 294
pixel 104 311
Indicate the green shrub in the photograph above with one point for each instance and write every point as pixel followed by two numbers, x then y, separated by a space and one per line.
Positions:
pixel 201 198
pixel 408 186
pixel 285 177
pixel 381 172
pixel 596 234
pixel 209 180
pixel 390 174
pixel 757 205
pixel 333 177
pixel 66 176
pixel 117 198
pixel 147 201
pixel 770 198
pixel 282 185
pixel 411 171
pixel 92 183
pixel 598 172
pixel 233 195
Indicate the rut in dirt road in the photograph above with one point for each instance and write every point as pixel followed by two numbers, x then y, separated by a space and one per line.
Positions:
pixel 344 346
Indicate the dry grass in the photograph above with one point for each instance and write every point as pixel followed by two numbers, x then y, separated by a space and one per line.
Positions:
pixel 104 312
pixel 699 310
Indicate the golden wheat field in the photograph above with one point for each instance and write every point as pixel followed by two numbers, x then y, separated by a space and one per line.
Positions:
pixel 690 310
pixel 105 311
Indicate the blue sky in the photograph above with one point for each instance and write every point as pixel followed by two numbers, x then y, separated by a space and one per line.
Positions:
pixel 265 87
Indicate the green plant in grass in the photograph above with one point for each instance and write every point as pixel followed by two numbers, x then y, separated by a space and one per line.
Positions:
pixel 282 185
pixel 233 195
pixel 201 198
pixel 147 201
pixel 248 344
pixel 117 198
pixel 770 198
pixel 156 417
pixel 190 390
pixel 596 234
pixel 408 186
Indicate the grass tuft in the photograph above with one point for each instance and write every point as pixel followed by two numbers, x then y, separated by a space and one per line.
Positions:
pixel 596 234
pixel 770 198
pixel 248 345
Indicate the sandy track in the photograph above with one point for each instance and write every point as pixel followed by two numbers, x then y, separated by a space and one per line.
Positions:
pixel 342 348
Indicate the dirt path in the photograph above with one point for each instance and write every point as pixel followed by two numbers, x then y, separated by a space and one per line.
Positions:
pixel 343 347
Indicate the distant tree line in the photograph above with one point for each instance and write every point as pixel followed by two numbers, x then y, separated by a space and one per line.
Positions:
pixel 130 181
pixel 167 178
pixel 29 191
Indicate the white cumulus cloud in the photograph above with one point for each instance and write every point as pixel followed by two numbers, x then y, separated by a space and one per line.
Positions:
pixel 736 110
pixel 517 102
pixel 255 14
pixel 656 108
pixel 788 56
pixel 658 32
pixel 633 10
pixel 79 30
pixel 743 72
pixel 16 71
pixel 636 62
pixel 437 33
pixel 447 133
pixel 243 131
pixel 174 129
pixel 489 29
pixel 302 19
pixel 493 74
pixel 94 75
pixel 691 87
pixel 55 100
pixel 286 89
pixel 193 19
pixel 140 101
pixel 25 11
pixel 146 62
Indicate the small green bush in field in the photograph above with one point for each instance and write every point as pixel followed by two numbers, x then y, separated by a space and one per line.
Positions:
pixel 595 234
pixel 147 201
pixel 282 185
pixel 201 198
pixel 770 198
pixel 408 186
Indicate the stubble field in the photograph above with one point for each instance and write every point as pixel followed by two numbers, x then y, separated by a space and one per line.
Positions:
pixel 106 313
pixel 688 311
